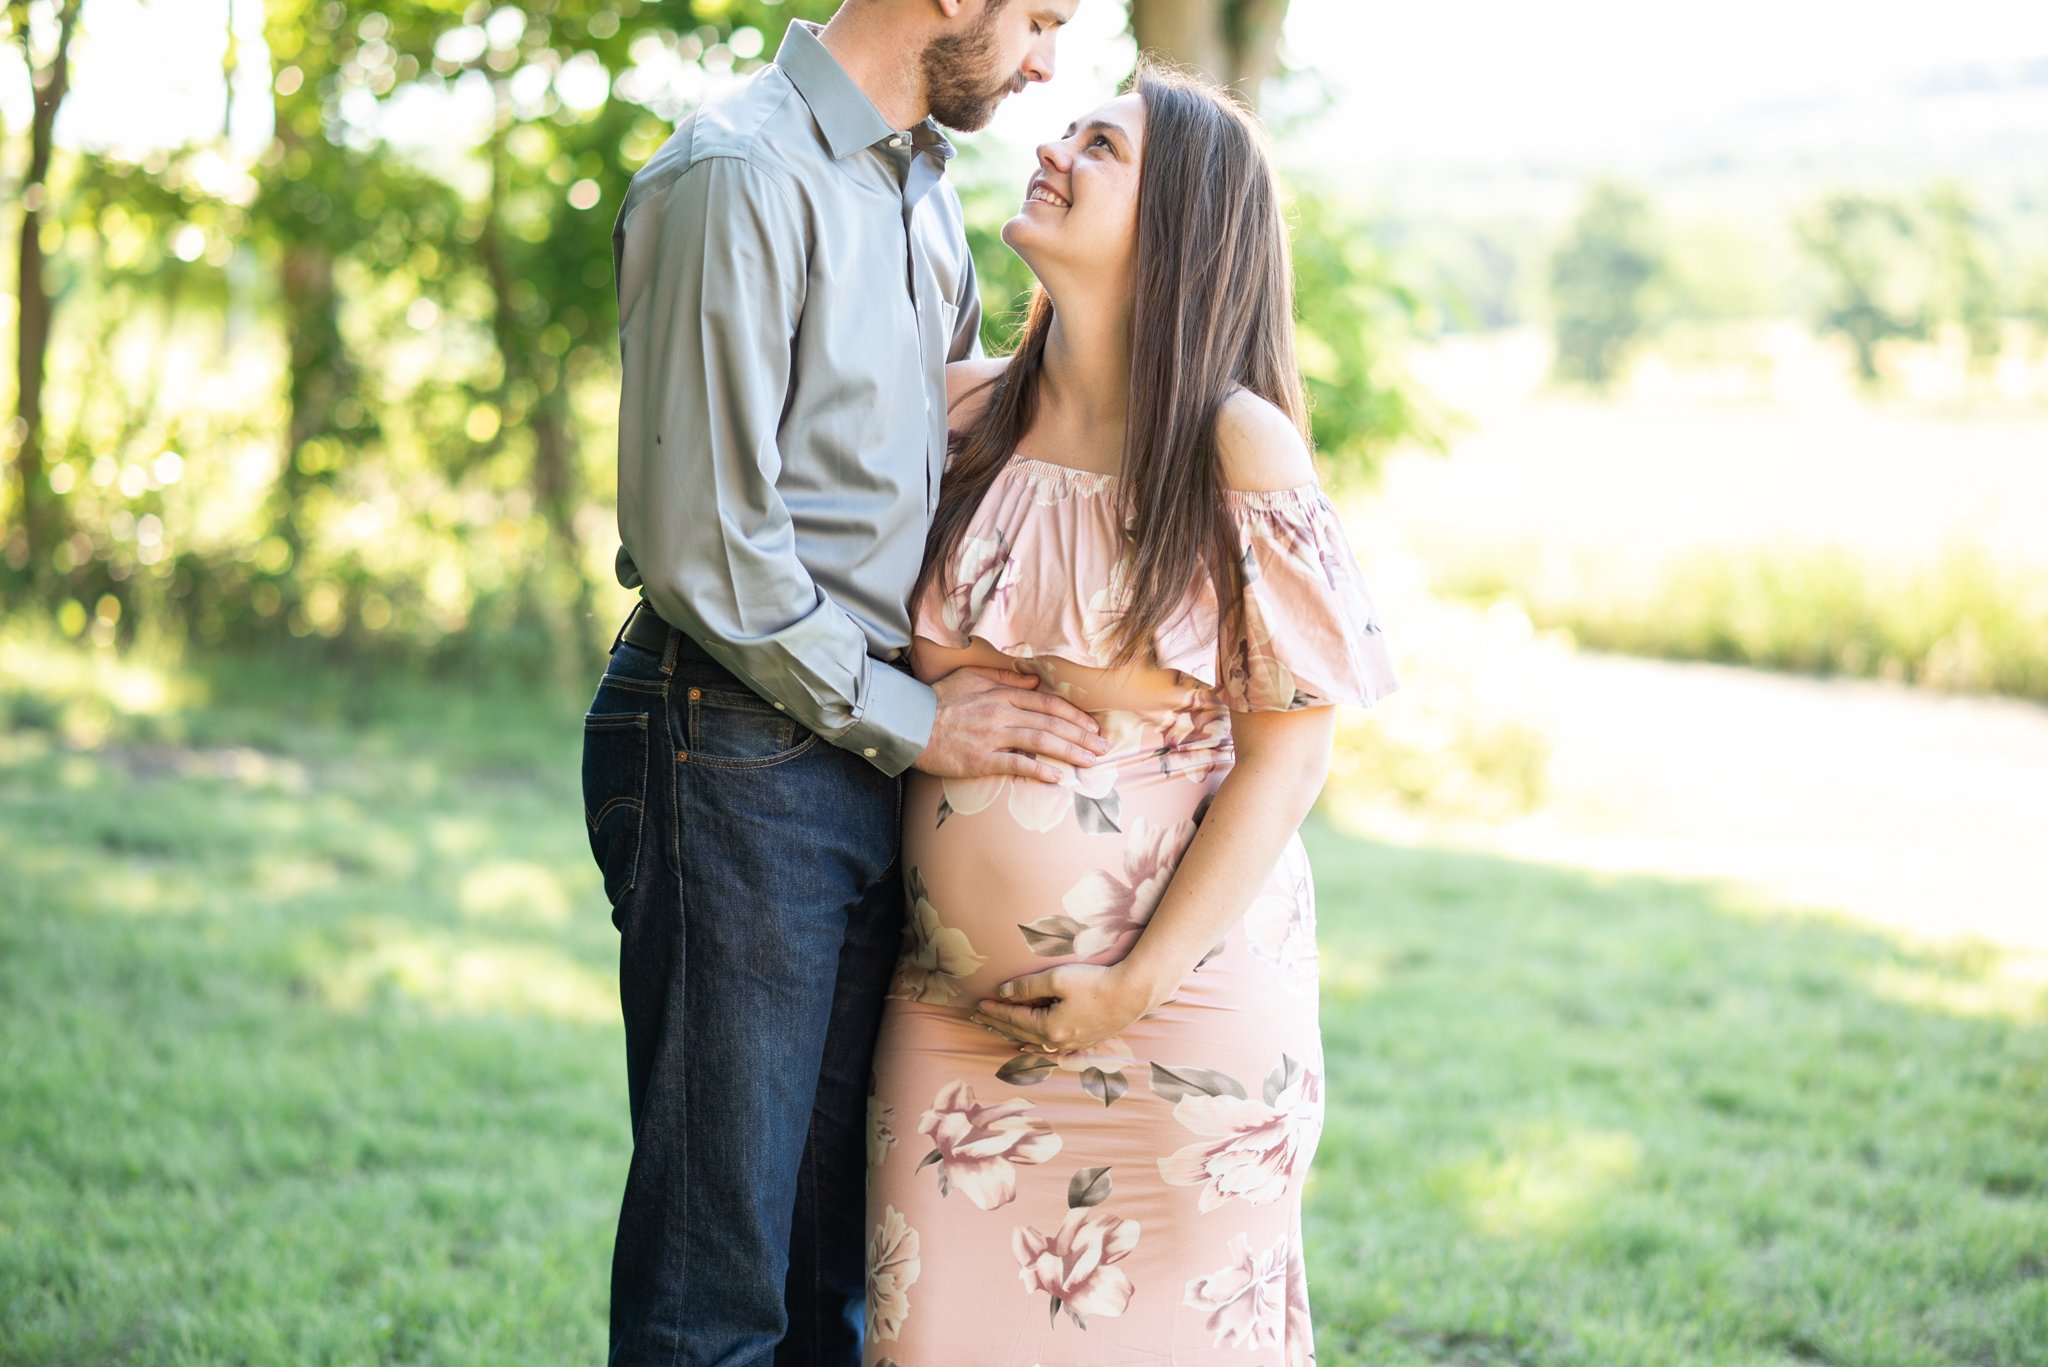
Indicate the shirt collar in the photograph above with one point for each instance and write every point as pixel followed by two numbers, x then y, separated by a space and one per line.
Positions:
pixel 844 113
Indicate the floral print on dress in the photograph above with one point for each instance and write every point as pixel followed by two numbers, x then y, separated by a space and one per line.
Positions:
pixel 978 1147
pixel 1196 739
pixel 1101 1067
pixel 1105 911
pixel 1088 793
pixel 1311 635
pixel 1246 1298
pixel 1301 1337
pixel 1076 1264
pixel 983 573
pixel 1248 1150
pixel 1280 926
pixel 935 957
pixel 881 1137
pixel 893 1268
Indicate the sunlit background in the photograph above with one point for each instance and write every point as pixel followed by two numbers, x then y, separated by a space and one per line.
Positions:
pixel 1682 376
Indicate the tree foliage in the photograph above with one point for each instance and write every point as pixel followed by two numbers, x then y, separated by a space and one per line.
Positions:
pixel 360 389
pixel 1599 282
pixel 1866 248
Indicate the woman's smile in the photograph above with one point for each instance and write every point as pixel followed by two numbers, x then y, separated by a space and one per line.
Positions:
pixel 1041 193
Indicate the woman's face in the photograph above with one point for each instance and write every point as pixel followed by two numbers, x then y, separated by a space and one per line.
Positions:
pixel 1079 220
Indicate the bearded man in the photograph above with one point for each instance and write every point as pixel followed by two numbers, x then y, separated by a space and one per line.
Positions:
pixel 792 279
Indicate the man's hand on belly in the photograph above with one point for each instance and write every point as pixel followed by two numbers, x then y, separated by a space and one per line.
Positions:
pixel 995 722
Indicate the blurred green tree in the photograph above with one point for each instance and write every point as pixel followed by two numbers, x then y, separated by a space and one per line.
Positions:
pixel 39 524
pixel 1599 281
pixel 389 361
pixel 1966 293
pixel 1865 245
pixel 1352 308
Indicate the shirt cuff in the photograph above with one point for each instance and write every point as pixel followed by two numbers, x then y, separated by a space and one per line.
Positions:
pixel 896 724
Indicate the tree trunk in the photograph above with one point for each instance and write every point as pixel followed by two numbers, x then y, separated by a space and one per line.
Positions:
pixel 42 514
pixel 1235 43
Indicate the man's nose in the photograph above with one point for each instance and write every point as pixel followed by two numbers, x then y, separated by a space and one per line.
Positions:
pixel 1038 62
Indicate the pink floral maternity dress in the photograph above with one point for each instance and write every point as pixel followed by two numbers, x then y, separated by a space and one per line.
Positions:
pixel 1139 1202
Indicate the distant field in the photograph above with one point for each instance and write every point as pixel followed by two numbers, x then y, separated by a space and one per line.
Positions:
pixel 1752 510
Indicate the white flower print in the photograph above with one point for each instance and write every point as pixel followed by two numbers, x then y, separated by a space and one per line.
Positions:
pixel 977 1147
pixel 1089 793
pixel 984 571
pixel 881 1138
pixel 1197 738
pixel 1280 927
pixel 1105 612
pixel 893 1267
pixel 1247 1298
pixel 1249 1150
pixel 1075 1265
pixel 935 956
pixel 1301 1334
pixel 1106 913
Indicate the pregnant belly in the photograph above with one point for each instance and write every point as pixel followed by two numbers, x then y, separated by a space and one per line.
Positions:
pixel 1010 876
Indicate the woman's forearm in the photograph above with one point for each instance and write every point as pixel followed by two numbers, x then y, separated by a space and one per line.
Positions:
pixel 1257 809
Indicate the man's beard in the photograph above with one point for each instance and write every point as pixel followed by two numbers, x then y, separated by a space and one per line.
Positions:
pixel 956 82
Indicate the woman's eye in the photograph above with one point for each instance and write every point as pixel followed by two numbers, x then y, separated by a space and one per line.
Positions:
pixel 1101 140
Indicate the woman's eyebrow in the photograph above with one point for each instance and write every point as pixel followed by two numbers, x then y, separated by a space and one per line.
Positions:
pixel 1103 126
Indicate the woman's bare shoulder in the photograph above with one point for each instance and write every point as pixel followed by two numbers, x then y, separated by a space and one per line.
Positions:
pixel 1260 445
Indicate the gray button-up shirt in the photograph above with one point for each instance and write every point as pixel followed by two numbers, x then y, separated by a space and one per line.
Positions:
pixel 792 276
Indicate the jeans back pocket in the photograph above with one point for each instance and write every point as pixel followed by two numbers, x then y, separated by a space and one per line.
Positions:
pixel 615 797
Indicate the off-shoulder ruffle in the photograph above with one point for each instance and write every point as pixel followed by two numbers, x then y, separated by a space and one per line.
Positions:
pixel 1312 636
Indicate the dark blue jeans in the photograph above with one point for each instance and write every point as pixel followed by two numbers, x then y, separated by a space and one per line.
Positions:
pixel 751 868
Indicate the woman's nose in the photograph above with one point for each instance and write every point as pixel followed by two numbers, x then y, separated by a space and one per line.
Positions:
pixel 1049 154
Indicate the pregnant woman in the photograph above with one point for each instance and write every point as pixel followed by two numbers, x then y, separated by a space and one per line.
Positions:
pixel 1099 1080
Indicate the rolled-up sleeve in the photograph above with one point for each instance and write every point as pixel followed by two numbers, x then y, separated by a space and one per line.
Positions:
pixel 711 280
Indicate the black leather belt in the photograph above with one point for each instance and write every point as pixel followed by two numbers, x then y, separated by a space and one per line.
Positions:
pixel 644 628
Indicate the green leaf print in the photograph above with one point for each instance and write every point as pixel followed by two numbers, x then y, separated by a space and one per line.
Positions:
pixel 1026 1070
pixel 1090 1187
pixel 1098 815
pixel 1051 935
pixel 1107 1086
pixel 1281 1078
pixel 1176 1082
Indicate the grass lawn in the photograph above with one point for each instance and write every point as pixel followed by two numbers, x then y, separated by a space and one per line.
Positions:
pixel 310 1056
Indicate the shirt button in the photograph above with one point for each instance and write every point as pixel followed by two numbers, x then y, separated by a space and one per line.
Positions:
pixel 895 142
pixel 869 752
pixel 780 708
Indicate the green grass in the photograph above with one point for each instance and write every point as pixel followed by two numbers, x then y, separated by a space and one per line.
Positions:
pixel 310 1057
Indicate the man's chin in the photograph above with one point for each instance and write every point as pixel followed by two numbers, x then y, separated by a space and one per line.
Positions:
pixel 966 120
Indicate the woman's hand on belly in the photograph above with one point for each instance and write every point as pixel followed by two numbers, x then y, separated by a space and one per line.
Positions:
pixel 1073 1006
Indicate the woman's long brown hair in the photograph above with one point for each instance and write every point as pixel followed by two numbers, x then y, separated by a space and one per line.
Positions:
pixel 1214 310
